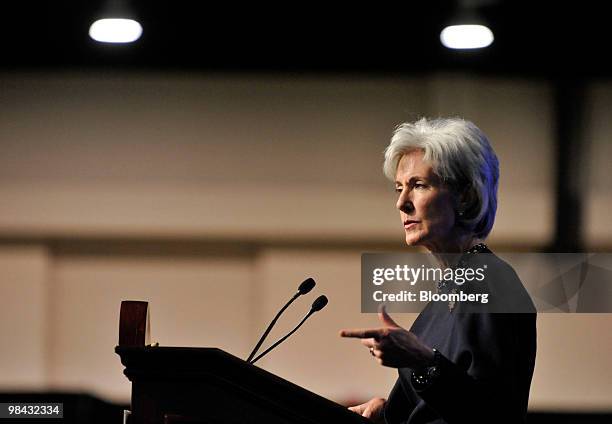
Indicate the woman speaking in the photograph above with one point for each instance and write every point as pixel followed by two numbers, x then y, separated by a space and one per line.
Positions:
pixel 457 363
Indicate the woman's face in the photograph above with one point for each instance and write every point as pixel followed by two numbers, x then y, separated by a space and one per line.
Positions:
pixel 426 205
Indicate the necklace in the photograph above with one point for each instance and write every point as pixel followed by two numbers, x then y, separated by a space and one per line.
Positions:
pixel 477 248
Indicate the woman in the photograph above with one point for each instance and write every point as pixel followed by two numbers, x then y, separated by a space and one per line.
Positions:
pixel 457 364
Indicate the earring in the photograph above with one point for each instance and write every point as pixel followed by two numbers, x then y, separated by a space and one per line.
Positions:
pixel 460 213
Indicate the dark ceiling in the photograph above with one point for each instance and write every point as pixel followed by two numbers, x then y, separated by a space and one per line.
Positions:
pixel 534 39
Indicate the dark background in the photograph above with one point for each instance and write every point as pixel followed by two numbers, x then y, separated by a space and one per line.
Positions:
pixel 532 39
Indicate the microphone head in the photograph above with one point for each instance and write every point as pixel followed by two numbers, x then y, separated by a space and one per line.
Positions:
pixel 306 286
pixel 319 303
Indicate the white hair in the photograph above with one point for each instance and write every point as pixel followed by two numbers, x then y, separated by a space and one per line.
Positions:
pixel 460 154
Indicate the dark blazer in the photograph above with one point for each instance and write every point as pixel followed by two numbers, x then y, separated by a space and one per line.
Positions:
pixel 487 359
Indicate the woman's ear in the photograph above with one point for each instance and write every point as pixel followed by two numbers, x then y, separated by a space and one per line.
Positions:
pixel 465 199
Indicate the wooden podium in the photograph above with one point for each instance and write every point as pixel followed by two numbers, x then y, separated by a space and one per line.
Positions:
pixel 173 385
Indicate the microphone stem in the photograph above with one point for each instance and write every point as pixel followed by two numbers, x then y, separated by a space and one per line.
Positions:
pixel 312 311
pixel 261 340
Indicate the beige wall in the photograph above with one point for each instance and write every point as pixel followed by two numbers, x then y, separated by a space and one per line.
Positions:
pixel 24 272
pixel 213 197
pixel 152 155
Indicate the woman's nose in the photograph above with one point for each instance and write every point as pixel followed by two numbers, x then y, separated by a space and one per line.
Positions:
pixel 404 203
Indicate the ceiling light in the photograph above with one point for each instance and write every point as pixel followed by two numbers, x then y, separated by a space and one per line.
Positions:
pixel 466 36
pixel 115 30
pixel 467 28
pixel 115 23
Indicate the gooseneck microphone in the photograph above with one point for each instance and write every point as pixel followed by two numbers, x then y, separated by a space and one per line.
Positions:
pixel 317 305
pixel 304 288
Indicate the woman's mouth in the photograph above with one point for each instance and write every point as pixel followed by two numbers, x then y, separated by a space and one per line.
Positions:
pixel 410 223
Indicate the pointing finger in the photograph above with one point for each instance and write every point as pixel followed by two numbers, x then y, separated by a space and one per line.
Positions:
pixel 362 333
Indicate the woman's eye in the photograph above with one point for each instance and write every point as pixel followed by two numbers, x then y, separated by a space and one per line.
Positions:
pixel 398 189
pixel 419 185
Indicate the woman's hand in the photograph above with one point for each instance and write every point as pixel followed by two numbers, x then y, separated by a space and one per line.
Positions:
pixel 372 409
pixel 392 345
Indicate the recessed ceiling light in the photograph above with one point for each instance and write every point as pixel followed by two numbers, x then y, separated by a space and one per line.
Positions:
pixel 466 36
pixel 115 30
